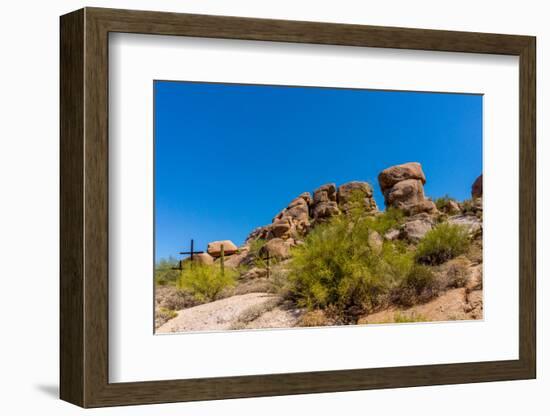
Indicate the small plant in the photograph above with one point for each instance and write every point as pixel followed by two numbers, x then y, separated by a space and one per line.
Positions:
pixel 382 223
pixel 457 275
pixel 164 271
pixel 443 202
pixel 163 315
pixel 314 318
pixel 400 318
pixel 205 282
pixel 161 280
pixel 256 252
pixel 468 207
pixel 443 243
pixel 418 287
pixel 168 313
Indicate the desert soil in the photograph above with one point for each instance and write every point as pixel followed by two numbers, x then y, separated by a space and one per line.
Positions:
pixel 454 305
pixel 249 311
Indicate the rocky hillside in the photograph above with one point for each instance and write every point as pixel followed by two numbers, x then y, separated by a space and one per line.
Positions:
pixel 332 257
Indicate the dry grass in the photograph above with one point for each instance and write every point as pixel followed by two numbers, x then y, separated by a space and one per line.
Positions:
pixel 315 318
pixel 163 315
pixel 170 297
pixel 254 312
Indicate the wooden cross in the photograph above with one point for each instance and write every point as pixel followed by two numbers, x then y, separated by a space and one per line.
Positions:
pixel 191 253
pixel 267 258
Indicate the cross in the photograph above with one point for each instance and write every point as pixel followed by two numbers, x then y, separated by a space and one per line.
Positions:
pixel 267 258
pixel 192 252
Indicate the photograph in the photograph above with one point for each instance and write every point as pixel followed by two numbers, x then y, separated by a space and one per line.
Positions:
pixel 289 206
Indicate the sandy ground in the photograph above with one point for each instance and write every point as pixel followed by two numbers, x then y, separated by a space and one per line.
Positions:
pixel 453 305
pixel 218 315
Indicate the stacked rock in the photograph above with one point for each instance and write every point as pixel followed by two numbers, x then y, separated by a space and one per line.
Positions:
pixel 325 202
pixel 403 188
pixel 347 192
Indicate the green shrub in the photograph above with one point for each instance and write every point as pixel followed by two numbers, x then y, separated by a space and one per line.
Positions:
pixel 442 243
pixel 442 202
pixel 382 223
pixel 468 207
pixel 205 282
pixel 336 268
pixel 164 271
pixel 168 313
pixel 255 251
pixel 419 286
pixel 400 318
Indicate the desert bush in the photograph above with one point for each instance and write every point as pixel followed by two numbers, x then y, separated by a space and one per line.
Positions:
pixel 314 318
pixel 442 243
pixel 336 268
pixel 457 275
pixel 163 315
pixel 441 203
pixel 468 207
pixel 419 286
pixel 164 273
pixel 400 318
pixel 205 282
pixel 255 253
pixel 170 297
pixel 382 223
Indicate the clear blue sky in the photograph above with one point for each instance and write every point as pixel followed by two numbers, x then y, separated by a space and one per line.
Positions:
pixel 228 157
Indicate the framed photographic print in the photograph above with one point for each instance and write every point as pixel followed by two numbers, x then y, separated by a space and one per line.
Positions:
pixel 255 207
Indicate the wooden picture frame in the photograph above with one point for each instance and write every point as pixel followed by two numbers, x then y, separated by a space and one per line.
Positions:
pixel 84 207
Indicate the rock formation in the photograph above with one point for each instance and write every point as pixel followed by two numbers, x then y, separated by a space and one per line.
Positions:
pixel 477 187
pixel 403 188
pixel 325 202
pixel 347 191
pixel 278 248
pixel 215 248
pixel 416 228
pixel 450 207
pixel 292 220
pixel 295 221
pixel 203 258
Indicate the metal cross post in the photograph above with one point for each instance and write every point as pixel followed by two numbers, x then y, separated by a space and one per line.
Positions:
pixel 191 253
pixel 222 259
pixel 267 258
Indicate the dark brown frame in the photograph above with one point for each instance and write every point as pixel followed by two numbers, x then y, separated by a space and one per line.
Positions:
pixel 84 207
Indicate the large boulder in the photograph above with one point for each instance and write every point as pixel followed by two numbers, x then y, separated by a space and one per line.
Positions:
pixel 348 191
pixel 404 193
pixel 471 223
pixel 276 247
pixel 203 258
pixel 403 188
pixel 281 227
pixel 394 174
pixel 238 259
pixel 215 248
pixel 450 207
pixel 477 187
pixel 325 203
pixel 416 229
